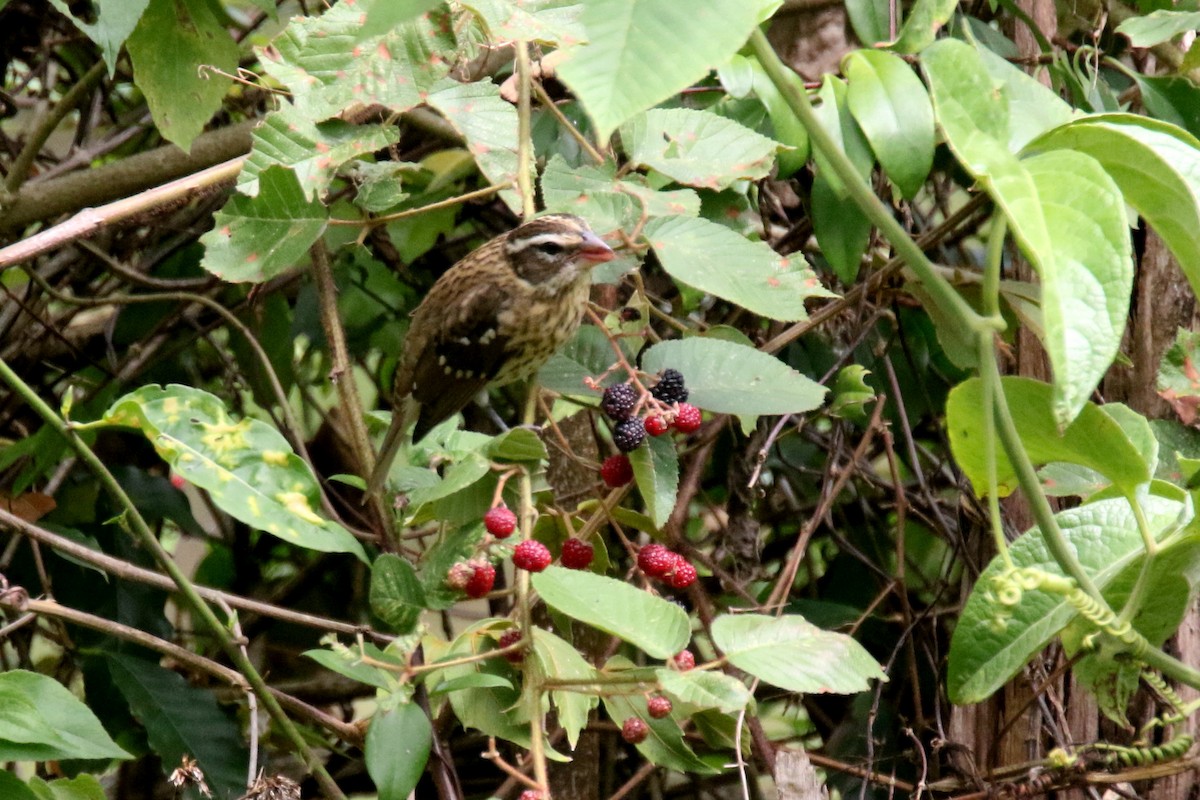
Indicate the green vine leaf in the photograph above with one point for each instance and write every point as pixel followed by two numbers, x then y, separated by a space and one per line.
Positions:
pixel 40 720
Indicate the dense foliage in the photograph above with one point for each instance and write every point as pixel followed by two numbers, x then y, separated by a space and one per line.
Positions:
pixel 842 449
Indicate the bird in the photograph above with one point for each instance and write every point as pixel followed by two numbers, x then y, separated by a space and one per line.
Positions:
pixel 493 318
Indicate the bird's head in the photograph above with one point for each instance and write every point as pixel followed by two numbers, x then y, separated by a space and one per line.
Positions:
pixel 554 250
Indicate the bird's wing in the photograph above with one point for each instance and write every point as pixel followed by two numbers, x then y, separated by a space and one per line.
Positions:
pixel 459 360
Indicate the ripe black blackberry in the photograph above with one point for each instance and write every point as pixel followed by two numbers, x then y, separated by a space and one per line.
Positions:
pixel 628 434
pixel 619 401
pixel 670 387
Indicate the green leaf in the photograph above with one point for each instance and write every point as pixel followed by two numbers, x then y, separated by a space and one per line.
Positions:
pixel 1094 439
pixel 328 70
pixel 182 720
pixel 870 20
pixel 1156 166
pixel 1172 98
pixel 246 466
pixel 717 260
pixel 172 42
pixel 559 660
pixel 621 70
pixel 40 720
pixel 729 378
pixel 114 21
pixel 1066 213
pixel 705 689
pixel 664 744
pixel 13 788
pixel 397 596
pixel 518 444
pixel 587 355
pixel 835 117
pixel 841 228
pixel 791 653
pixel 697 148
pixel 478 680
pixel 547 21
pixel 925 19
pixel 256 238
pixel 851 393
pixel 348 663
pixel 786 126
pixel 1033 108
pixel 488 123
pixel 609 203
pixel 1179 377
pixel 313 152
pixel 486 708
pixel 890 104
pixel 657 626
pixel 992 642
pixel 383 15
pixel 1158 26
pixel 397 749
pixel 656 471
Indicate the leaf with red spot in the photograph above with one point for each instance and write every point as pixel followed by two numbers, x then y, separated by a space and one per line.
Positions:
pixel 1179 376
pixel 256 238
pixel 698 148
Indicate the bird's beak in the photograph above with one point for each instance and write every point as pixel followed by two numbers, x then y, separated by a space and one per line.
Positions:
pixel 595 250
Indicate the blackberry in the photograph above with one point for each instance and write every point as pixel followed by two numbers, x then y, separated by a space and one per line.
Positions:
pixel 688 419
pixel 482 580
pixel 656 560
pixel 670 387
pixel 500 522
pixel 628 434
pixel 508 639
pixel 684 574
pixel 577 554
pixel 619 401
pixel 616 471
pixel 531 555
pixel 658 706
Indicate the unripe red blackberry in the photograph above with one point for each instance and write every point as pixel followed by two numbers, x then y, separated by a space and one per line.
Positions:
pixel 500 522
pixel 628 434
pixel 670 387
pixel 508 639
pixel 619 401
pixel 658 706
pixel 655 560
pixel 459 575
pixel 577 554
pixel 684 660
pixel 684 574
pixel 616 471
pixel 531 555
pixel 531 794
pixel 481 582
pixel 687 419
pixel 634 730
pixel 656 425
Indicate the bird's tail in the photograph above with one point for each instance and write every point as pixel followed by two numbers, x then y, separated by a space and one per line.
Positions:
pixel 401 417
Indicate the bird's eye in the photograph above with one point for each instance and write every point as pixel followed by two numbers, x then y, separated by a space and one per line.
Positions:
pixel 550 248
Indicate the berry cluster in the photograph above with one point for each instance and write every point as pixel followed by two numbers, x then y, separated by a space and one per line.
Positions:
pixel 656 561
pixel 476 577
pixel 620 402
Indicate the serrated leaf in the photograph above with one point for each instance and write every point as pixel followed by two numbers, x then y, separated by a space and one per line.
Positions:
pixel 656 471
pixel 657 626
pixel 559 660
pixel 555 22
pixel 1158 26
pixel 698 148
pixel 730 378
pixel 791 653
pixel 383 15
pixel 518 444
pixel 992 642
pixel 621 71
pixel 397 749
pixel 328 69
pixel 1094 439
pixel 587 354
pixel 664 744
pixel 478 680
pixel 717 260
pixel 609 203
pixel 172 41
pixel 313 152
pixel 705 689
pixel 892 108
pixel 247 466
pixel 1156 166
pixel 40 720
pixel 256 238
pixel 489 709
pixel 351 666
pixel 397 596
pixel 181 720
pixel 488 123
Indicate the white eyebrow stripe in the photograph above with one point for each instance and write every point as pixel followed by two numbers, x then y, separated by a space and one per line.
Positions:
pixel 564 239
